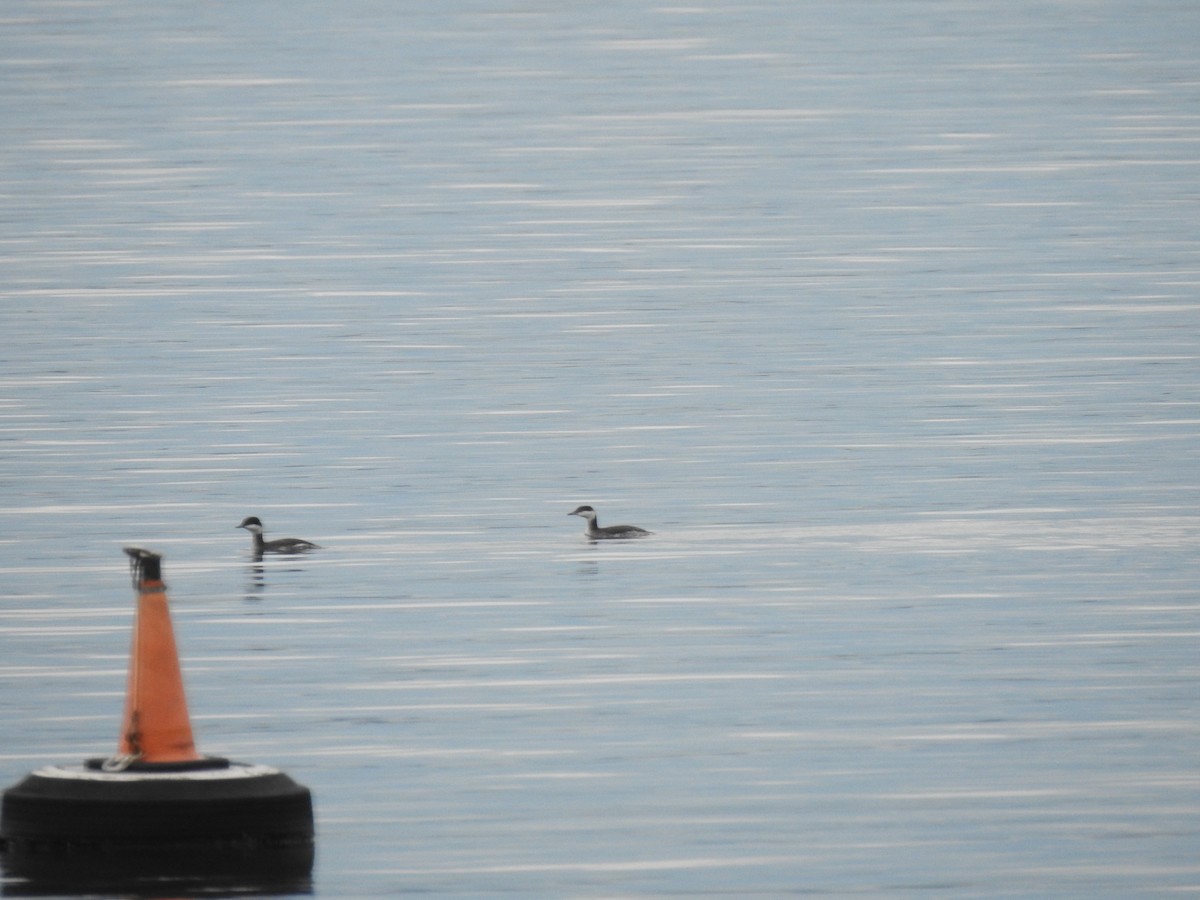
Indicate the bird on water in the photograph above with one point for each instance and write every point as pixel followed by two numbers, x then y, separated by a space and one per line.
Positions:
pixel 596 533
pixel 282 545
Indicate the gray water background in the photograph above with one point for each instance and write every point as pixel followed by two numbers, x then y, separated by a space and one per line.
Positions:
pixel 882 316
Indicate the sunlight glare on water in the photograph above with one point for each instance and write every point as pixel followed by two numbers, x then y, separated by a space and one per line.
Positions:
pixel 881 317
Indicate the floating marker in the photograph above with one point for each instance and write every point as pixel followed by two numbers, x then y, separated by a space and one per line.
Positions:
pixel 156 727
pixel 157 809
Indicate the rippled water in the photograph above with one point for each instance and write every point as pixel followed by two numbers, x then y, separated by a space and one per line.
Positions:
pixel 882 317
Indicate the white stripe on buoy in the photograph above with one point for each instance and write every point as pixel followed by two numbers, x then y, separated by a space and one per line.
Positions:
pixel 81 773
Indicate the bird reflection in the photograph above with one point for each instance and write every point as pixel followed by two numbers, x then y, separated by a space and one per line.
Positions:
pixel 256 579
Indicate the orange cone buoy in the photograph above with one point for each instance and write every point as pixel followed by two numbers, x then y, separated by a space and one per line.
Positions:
pixel 157 810
pixel 156 726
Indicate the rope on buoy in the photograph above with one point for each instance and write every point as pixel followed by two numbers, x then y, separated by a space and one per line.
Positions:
pixel 120 762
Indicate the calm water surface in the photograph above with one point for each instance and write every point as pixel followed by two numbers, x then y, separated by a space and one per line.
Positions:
pixel 883 317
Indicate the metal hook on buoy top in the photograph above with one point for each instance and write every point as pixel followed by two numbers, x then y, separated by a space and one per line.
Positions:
pixel 144 565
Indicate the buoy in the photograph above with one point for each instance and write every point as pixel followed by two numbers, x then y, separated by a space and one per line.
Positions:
pixel 157 809
pixel 156 726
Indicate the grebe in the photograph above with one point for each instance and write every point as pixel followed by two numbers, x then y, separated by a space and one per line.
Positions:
pixel 282 545
pixel 596 533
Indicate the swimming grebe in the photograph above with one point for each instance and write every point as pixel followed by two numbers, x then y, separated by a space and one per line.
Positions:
pixel 282 545
pixel 596 533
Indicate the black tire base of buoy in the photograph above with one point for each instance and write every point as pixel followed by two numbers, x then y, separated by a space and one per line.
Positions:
pixel 206 820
